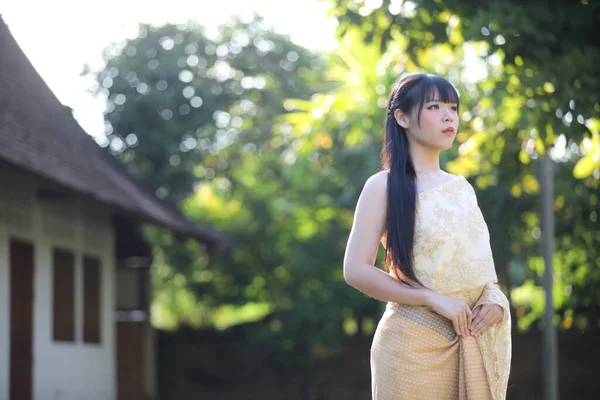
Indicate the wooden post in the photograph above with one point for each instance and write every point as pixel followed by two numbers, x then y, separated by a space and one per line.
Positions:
pixel 550 347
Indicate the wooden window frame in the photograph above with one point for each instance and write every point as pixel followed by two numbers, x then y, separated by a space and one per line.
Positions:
pixel 92 299
pixel 63 295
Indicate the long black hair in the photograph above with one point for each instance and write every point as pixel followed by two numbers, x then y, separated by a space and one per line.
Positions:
pixel 408 94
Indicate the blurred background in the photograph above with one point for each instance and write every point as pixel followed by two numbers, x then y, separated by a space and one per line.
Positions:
pixel 264 119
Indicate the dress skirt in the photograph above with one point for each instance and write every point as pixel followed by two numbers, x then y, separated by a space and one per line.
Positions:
pixel 416 354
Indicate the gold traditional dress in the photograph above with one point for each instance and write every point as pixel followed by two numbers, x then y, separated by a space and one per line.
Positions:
pixel 416 354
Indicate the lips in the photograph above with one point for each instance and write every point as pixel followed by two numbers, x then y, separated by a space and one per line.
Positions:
pixel 448 131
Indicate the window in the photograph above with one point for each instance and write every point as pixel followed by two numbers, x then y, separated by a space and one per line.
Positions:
pixel 92 278
pixel 63 263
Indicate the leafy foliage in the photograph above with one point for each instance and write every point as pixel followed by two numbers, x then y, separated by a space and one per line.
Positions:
pixel 272 143
pixel 523 93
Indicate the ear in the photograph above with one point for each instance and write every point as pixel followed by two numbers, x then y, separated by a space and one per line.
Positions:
pixel 401 118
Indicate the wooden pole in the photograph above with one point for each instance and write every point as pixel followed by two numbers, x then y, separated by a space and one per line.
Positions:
pixel 550 346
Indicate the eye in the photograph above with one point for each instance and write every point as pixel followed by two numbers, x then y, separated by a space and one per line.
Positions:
pixel 455 108
pixel 433 107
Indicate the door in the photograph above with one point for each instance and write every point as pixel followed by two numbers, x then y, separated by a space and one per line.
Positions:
pixel 21 320
pixel 131 360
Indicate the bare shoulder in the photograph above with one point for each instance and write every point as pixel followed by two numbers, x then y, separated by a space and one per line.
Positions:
pixel 371 210
pixel 373 197
pixel 377 183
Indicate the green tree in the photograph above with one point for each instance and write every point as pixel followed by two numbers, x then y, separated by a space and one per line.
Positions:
pixel 272 144
pixel 196 118
pixel 183 108
pixel 191 116
pixel 528 95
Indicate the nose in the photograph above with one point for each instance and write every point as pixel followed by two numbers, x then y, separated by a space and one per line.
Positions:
pixel 448 115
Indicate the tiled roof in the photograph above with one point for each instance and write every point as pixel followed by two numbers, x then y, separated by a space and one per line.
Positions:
pixel 40 135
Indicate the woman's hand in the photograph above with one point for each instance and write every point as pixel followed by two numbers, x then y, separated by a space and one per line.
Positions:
pixel 485 316
pixel 456 310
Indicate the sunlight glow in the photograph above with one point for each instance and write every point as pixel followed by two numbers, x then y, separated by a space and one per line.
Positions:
pixel 60 43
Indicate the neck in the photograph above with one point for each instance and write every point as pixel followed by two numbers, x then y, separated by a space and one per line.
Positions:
pixel 425 159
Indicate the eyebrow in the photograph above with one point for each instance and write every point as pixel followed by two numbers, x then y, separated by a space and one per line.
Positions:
pixel 440 101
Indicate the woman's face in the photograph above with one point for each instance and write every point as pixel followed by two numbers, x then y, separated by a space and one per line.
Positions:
pixel 437 125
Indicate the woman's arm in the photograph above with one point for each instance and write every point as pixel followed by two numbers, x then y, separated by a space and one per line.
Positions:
pixel 361 249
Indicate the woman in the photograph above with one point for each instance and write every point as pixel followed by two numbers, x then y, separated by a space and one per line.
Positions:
pixel 445 333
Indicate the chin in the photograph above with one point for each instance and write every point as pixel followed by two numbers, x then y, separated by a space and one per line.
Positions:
pixel 438 145
pixel 448 143
pixel 444 145
pixel 448 146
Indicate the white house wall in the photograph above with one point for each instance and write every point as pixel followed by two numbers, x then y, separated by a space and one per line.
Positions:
pixel 61 371
pixel 16 220
pixel 4 314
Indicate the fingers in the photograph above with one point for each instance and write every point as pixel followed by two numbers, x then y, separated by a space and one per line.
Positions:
pixel 469 322
pixel 463 322
pixel 481 320
pixel 476 311
pixel 469 319
pixel 456 327
pixel 459 324
pixel 487 318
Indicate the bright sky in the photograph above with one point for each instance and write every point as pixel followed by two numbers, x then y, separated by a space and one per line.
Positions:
pixel 61 36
